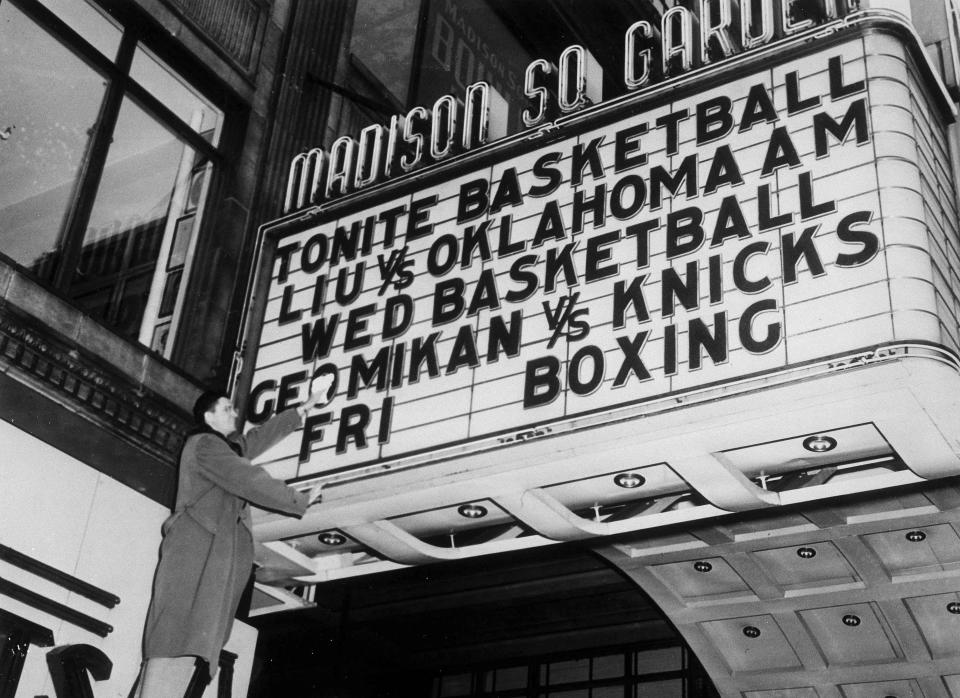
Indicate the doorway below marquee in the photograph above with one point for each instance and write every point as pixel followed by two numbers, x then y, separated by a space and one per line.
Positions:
pixel 550 623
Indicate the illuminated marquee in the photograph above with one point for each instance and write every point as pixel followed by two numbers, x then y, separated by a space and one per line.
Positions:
pixel 687 245
pixel 453 126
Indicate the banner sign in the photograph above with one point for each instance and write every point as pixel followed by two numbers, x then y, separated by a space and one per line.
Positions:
pixel 728 233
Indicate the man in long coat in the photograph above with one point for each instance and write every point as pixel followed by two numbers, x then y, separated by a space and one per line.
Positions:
pixel 206 555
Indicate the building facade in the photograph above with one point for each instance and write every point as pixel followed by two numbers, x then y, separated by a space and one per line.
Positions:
pixel 644 319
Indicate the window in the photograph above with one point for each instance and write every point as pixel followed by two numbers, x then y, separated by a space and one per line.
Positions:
pixel 383 42
pixel 641 671
pixel 106 155
pixel 412 52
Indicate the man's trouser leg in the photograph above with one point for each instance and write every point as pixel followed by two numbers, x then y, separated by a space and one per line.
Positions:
pixel 167 677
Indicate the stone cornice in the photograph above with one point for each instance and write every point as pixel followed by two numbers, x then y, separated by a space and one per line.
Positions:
pixel 35 355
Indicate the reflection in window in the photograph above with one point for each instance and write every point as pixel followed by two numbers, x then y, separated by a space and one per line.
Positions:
pixel 146 168
pixel 383 36
pixel 463 44
pixel 412 52
pixel 176 94
pixel 176 252
pixel 105 173
pixel 89 22
pixel 46 134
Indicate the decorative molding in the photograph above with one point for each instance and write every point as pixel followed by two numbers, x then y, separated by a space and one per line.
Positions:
pixel 35 355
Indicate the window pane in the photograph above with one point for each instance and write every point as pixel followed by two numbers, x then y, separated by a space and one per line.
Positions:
pixel 176 94
pixel 89 22
pixel 161 334
pixel 147 170
pixel 514 677
pixel 44 134
pixel 607 692
pixel 458 685
pixel 467 42
pixel 608 667
pixel 382 41
pixel 573 670
pixel 654 661
pixel 660 689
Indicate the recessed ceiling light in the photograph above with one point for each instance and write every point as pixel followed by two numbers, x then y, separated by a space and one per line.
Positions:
pixel 751 631
pixel 331 538
pixel 954 607
pixel 915 536
pixel 629 481
pixel 806 553
pixel 702 566
pixel 851 620
pixel 820 443
pixel 472 511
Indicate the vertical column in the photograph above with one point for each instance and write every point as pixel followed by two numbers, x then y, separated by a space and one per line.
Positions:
pixel 225 680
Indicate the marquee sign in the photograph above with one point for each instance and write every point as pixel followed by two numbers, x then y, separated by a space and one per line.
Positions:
pixel 737 231
pixel 684 39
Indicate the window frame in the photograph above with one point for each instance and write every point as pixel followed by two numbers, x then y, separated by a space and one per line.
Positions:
pixel 119 85
pixel 694 681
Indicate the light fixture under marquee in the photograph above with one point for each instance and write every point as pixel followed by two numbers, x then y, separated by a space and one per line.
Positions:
pixel 629 481
pixel 851 620
pixel 819 443
pixel 332 538
pixel 751 631
pixel 472 511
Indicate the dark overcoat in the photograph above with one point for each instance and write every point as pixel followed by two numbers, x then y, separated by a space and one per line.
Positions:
pixel 207 551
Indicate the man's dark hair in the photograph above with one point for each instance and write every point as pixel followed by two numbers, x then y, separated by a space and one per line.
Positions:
pixel 204 404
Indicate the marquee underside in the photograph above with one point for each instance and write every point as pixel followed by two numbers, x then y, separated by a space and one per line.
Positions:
pixel 893 414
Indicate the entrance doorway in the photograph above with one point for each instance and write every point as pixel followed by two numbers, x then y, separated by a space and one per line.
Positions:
pixel 546 623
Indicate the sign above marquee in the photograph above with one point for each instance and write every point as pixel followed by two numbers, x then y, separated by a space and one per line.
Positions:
pixel 694 244
pixel 684 40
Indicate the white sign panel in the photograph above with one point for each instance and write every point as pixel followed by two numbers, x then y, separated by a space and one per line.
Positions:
pixel 690 243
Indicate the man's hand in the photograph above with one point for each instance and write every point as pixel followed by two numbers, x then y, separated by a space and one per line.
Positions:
pixel 316 496
pixel 321 389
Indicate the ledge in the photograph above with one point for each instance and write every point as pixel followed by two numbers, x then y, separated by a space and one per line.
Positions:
pixel 63 373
